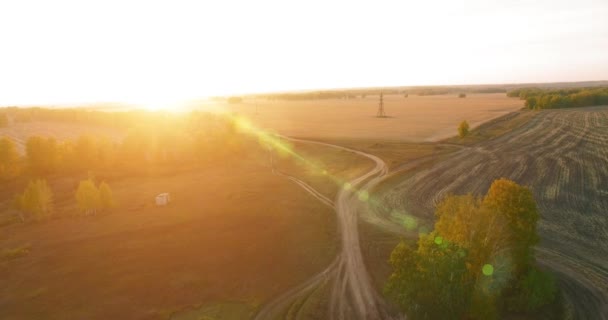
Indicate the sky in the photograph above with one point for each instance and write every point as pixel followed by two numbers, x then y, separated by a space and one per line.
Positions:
pixel 156 52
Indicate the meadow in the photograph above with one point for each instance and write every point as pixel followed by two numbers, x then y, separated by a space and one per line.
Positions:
pixel 216 242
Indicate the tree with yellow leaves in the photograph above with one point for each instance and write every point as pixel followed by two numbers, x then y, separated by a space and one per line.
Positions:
pixel 480 253
pixel 87 197
pixel 36 201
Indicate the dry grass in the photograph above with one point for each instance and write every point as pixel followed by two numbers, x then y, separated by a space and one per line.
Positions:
pixel 216 242
pixel 324 168
pixel 416 118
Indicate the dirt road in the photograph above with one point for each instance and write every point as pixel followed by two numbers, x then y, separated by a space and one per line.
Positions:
pixel 352 293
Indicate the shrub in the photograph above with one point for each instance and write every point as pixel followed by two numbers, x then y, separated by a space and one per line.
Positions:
pixel 463 129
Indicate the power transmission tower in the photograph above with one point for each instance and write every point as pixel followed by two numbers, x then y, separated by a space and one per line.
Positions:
pixel 381 113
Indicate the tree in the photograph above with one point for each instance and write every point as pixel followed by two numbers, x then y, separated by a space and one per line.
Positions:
pixel 516 204
pixel 463 129
pixel 462 95
pixel 562 98
pixel 431 282
pixel 36 201
pixel 88 197
pixel 9 159
pixel 531 103
pixel 3 120
pixel 534 290
pixel 105 196
pixel 42 155
pixel 486 244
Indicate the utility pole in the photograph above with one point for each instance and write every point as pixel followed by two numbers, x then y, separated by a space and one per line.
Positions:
pixel 381 113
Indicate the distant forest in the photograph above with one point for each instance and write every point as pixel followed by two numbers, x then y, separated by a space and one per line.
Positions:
pixel 363 93
pixel 405 91
pixel 537 98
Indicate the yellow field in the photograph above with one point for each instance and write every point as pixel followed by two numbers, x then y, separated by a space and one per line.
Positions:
pixel 416 118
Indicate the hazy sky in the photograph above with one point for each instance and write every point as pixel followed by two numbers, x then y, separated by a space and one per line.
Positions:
pixel 158 51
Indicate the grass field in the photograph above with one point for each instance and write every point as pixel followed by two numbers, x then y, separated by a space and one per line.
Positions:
pixel 323 168
pixel 213 251
pixel 414 119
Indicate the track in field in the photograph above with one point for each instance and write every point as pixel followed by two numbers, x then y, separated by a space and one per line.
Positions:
pixel 562 155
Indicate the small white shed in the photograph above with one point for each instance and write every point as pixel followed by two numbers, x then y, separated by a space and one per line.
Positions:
pixel 163 199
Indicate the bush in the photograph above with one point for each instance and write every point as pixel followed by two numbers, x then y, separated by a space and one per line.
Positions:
pixel 462 95
pixel 463 129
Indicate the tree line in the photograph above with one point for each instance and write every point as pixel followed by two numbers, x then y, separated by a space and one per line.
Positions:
pixel 537 98
pixel 124 119
pixel 177 142
pixel 363 93
pixel 477 263
pixel 196 139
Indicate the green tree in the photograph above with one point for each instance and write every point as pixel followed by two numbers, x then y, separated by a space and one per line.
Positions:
pixel 437 266
pixel 531 103
pixel 463 129
pixel 88 197
pixel 533 290
pixel 9 159
pixel 36 201
pixel 105 196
